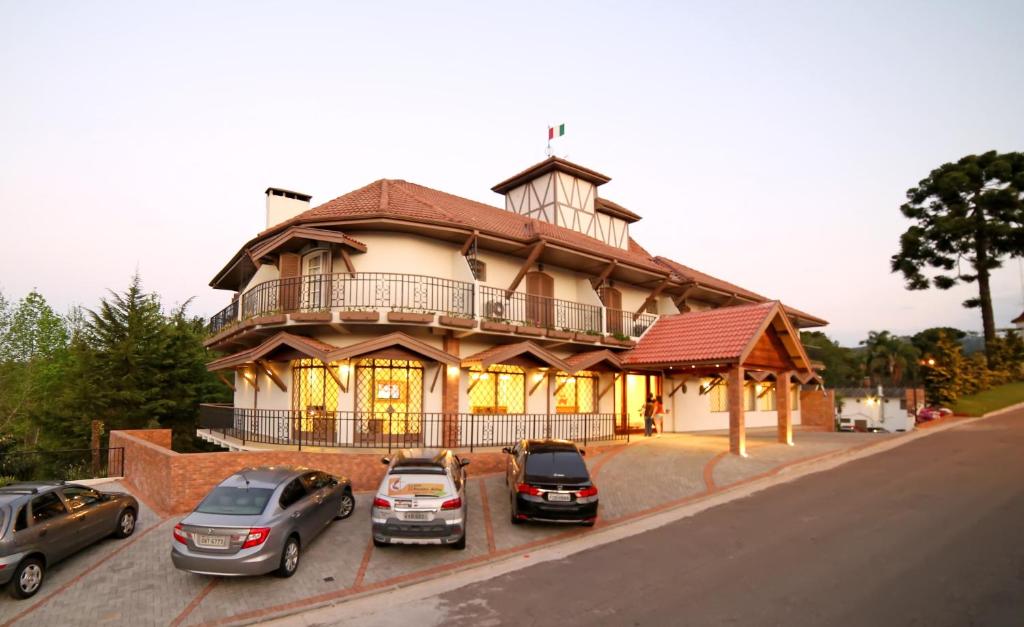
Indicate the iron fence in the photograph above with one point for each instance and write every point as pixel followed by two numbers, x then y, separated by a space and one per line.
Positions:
pixel 390 430
pixel 539 311
pixel 357 291
pixel 61 465
pixel 224 317
pixel 627 323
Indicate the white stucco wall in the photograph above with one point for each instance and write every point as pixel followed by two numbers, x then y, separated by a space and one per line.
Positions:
pixel 691 411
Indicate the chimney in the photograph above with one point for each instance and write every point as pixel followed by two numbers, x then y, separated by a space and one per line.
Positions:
pixel 283 205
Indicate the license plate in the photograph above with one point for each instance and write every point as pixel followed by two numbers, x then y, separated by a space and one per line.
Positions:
pixel 415 516
pixel 555 496
pixel 212 542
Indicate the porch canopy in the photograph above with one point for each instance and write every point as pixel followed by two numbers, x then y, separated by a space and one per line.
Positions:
pixel 524 354
pixel 602 360
pixel 289 346
pixel 731 343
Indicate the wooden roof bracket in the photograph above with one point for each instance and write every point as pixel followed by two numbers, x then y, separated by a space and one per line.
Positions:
pixel 715 382
pixel 650 297
pixel 273 375
pixel 334 375
pixel 538 248
pixel 544 375
pixel 469 242
pixel 347 260
pixel 611 384
pixel 596 282
pixel 681 384
pixel 224 380
pixel 437 373
pixel 679 300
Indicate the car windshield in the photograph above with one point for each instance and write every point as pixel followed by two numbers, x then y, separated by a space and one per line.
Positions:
pixel 565 466
pixel 235 501
pixel 406 485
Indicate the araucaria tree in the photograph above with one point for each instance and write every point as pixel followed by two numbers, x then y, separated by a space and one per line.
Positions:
pixel 968 216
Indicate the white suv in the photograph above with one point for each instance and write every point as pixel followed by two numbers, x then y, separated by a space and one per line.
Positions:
pixel 421 500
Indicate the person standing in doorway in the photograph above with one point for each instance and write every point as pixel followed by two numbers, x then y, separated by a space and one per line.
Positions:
pixel 659 415
pixel 648 415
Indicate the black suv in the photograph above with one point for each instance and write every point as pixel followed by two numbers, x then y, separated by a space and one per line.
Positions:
pixel 549 482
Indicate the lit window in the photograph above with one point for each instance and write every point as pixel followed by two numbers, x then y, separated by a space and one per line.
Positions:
pixel 575 392
pixel 766 397
pixel 719 394
pixel 498 390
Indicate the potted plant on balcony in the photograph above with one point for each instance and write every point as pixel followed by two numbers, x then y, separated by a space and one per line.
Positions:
pixel 564 334
pixel 460 320
pixel 618 339
pixel 589 336
pixel 493 323
pixel 414 317
pixel 323 315
pixel 358 315
pixel 530 328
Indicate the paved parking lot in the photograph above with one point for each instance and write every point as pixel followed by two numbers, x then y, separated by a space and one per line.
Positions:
pixel 133 581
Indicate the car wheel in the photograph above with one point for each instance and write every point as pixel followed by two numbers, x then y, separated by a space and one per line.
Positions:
pixel 512 512
pixel 460 545
pixel 347 505
pixel 289 558
pixel 28 578
pixel 125 524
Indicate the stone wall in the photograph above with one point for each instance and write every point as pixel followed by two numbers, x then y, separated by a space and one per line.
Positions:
pixel 818 409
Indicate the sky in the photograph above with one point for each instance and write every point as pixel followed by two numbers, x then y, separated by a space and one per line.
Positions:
pixel 768 144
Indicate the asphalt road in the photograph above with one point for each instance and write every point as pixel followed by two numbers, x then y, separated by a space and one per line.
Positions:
pixel 930 533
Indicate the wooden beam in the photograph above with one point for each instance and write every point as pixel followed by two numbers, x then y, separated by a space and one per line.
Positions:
pixel 539 381
pixel 679 300
pixel 273 375
pixel 334 375
pixel 472 384
pixel 559 387
pixel 437 373
pixel 681 384
pixel 650 298
pixel 538 248
pixel 596 282
pixel 611 384
pixel 716 381
pixel 348 261
pixel 469 242
pixel 251 378
pixel 224 380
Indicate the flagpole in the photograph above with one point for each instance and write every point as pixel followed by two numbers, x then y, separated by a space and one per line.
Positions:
pixel 548 150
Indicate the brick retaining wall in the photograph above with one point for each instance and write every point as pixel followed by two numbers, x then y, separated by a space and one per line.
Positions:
pixel 176 482
pixel 818 409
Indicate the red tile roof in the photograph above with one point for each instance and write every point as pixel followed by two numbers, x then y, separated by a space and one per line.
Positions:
pixel 1019 318
pixel 701 336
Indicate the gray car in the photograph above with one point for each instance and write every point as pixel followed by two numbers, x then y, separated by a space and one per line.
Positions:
pixel 421 500
pixel 258 520
pixel 42 523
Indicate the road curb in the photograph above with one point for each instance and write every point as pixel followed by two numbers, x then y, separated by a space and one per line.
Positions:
pixel 365 603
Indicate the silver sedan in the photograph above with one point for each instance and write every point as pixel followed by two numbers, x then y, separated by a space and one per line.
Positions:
pixel 258 520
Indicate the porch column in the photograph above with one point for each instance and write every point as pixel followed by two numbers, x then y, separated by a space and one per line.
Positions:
pixel 784 407
pixel 450 396
pixel 737 426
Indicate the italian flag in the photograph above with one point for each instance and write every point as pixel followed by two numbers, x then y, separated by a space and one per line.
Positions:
pixel 556 131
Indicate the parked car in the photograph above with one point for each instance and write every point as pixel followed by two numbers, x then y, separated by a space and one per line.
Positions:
pixel 421 500
pixel 548 481
pixel 42 523
pixel 926 414
pixel 258 520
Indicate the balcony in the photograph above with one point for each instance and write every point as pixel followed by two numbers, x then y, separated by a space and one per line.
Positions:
pixel 418 294
pixel 271 428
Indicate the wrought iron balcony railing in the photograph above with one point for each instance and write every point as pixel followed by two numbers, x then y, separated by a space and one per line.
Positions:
pixel 376 291
pixel 348 429
pixel 539 311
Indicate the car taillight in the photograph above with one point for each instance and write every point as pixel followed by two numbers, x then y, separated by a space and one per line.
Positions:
pixel 526 488
pixel 381 503
pixel 585 492
pixel 455 503
pixel 179 534
pixel 256 537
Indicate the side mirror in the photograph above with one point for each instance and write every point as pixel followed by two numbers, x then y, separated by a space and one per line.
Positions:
pixel 385 460
pixel 463 462
pixel 506 450
pixel 583 452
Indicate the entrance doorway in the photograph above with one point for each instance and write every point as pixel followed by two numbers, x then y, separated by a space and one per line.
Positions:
pixel 631 392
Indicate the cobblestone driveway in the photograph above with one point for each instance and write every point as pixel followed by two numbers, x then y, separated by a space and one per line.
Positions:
pixel 133 581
